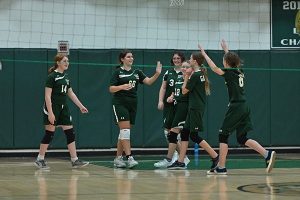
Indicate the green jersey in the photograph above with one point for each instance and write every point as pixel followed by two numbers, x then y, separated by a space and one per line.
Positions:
pixel 122 76
pixel 60 83
pixel 196 87
pixel 179 97
pixel 170 77
pixel 234 80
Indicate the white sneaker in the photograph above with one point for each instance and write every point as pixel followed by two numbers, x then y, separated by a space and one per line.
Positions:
pixel 131 162
pixel 175 157
pixel 186 161
pixel 162 164
pixel 119 162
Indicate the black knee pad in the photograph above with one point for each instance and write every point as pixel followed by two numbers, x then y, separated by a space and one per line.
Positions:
pixel 242 139
pixel 223 138
pixel 70 135
pixel 195 137
pixel 172 137
pixel 47 137
pixel 184 134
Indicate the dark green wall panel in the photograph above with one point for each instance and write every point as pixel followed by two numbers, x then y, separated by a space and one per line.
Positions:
pixel 94 128
pixel 29 80
pixel 6 99
pixel 153 120
pixel 257 86
pixel 285 98
pixel 217 102
pixel 272 93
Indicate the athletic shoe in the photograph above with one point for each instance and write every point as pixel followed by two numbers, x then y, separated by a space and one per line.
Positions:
pixel 214 163
pixel 78 164
pixel 119 162
pixel 217 171
pixel 270 161
pixel 131 162
pixel 177 165
pixel 41 164
pixel 186 161
pixel 162 164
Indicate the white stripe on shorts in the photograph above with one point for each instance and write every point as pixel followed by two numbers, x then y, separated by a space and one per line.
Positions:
pixel 115 113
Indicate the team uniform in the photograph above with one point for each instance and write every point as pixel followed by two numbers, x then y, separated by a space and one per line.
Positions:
pixel 238 114
pixel 197 102
pixel 168 113
pixel 125 101
pixel 181 103
pixel 60 84
pixel 178 118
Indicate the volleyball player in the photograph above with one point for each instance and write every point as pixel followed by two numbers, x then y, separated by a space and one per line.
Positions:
pixel 180 102
pixel 123 85
pixel 56 111
pixel 165 92
pixel 196 83
pixel 237 117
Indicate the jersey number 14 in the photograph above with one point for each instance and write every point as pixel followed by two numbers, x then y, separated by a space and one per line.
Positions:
pixel 64 89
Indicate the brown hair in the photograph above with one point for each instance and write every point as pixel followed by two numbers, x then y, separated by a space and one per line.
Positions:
pixel 232 59
pixel 180 54
pixel 57 58
pixel 123 55
pixel 200 60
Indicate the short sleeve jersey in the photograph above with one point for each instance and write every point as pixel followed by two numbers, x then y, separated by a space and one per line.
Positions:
pixel 122 76
pixel 170 77
pixel 196 87
pixel 60 83
pixel 234 80
pixel 179 97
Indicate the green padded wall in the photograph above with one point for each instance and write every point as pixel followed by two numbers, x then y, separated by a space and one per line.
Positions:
pixel 258 93
pixel 272 95
pixel 28 98
pixel 285 98
pixel 7 99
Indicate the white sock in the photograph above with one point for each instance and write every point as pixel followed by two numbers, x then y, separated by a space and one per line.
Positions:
pixel 266 154
pixel 74 159
pixel 40 157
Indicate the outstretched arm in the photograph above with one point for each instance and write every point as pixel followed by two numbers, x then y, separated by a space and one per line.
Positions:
pixel 150 81
pixel 211 64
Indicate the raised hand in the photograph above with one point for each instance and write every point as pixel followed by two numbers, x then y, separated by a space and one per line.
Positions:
pixel 158 67
pixel 224 46
pixel 201 50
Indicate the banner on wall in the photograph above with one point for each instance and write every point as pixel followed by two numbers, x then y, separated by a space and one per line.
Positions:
pixel 285 24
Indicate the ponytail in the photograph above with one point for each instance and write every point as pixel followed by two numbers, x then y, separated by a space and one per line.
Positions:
pixel 57 58
pixel 200 60
pixel 207 83
pixel 51 69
